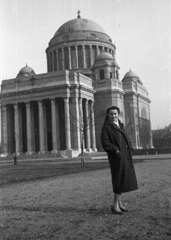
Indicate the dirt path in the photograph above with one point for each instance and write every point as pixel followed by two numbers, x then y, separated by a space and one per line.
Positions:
pixel 77 206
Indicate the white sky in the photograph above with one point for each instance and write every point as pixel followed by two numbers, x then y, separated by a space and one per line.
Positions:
pixel 140 29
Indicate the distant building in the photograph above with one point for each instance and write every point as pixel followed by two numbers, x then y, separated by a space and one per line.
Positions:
pixel 162 137
pixel 48 112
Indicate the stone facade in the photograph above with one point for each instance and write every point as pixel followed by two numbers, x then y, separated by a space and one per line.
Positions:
pixel 63 110
pixel 137 111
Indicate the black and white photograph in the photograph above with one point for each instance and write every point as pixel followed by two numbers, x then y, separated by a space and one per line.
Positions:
pixel 85 119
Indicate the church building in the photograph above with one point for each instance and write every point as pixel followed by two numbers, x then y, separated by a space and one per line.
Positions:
pixel 63 110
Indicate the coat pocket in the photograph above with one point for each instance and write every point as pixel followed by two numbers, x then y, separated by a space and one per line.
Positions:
pixel 119 154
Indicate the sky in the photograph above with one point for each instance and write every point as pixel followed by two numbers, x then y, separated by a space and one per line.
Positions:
pixel 140 30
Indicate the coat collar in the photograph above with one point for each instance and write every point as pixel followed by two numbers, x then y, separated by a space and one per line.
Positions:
pixel 121 129
pixel 107 122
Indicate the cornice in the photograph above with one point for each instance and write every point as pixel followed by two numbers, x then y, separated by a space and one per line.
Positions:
pixel 34 90
pixel 137 94
pixel 76 43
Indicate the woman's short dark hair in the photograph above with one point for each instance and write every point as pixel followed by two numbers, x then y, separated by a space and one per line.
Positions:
pixel 112 108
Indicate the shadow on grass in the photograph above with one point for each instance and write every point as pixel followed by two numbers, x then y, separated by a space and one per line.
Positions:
pixel 56 209
pixel 33 171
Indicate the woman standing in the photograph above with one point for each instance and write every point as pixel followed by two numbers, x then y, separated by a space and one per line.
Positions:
pixel 116 143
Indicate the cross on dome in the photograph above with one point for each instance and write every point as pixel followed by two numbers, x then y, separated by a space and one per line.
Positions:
pixel 78 14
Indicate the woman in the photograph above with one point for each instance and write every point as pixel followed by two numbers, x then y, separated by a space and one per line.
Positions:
pixel 116 143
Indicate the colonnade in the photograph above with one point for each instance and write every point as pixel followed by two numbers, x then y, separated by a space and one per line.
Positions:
pixel 48 125
pixel 74 57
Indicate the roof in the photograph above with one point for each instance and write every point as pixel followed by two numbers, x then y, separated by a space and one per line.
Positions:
pixel 79 29
pixel 79 24
pixel 133 76
pixel 26 71
pixel 104 56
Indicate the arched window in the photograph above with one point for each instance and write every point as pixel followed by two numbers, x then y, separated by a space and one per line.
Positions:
pixel 117 74
pixel 143 113
pixel 110 75
pixel 102 74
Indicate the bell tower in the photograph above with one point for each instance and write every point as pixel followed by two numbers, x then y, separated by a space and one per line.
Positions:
pixel 108 87
pixel 137 111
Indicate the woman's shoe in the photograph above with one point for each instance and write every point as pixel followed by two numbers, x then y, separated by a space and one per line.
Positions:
pixel 123 209
pixel 116 211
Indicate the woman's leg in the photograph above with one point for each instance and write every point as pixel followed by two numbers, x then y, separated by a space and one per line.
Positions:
pixel 116 201
pixel 120 202
pixel 121 206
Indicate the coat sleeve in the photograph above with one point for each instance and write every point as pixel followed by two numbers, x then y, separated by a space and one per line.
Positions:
pixel 128 139
pixel 107 145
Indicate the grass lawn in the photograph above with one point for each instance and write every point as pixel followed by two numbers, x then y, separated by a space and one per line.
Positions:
pixel 32 170
pixel 77 205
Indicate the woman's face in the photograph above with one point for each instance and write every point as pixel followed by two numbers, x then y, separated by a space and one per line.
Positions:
pixel 113 115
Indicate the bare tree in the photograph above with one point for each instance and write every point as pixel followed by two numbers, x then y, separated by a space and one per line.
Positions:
pixel 84 121
pixel 162 137
pixel 145 132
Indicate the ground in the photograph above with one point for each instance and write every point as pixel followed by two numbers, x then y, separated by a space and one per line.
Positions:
pixel 77 206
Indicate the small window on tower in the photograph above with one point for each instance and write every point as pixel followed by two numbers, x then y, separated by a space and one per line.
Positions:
pixel 110 75
pixel 102 74
pixel 117 74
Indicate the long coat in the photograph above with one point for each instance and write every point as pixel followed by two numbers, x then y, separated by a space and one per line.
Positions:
pixel 115 138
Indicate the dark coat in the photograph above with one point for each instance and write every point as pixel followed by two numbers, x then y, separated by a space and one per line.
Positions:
pixel 115 138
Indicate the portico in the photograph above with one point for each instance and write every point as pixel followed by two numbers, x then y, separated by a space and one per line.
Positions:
pixel 53 122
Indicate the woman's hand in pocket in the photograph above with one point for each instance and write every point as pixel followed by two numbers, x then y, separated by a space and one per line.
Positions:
pixel 119 154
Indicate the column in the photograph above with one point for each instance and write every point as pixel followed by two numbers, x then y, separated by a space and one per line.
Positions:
pixel 54 60
pixel 16 129
pixel 63 59
pixel 4 129
pixel 97 50
pixel 76 123
pixel 57 123
pixel 41 127
pixel 93 135
pixel 84 57
pixel 87 127
pixel 20 130
pixel 69 56
pixel 103 48
pixel 151 136
pixel 67 123
pixel 57 60
pixel 28 122
pixel 52 63
pixel 81 122
pixel 54 126
pixel 91 55
pixel 47 62
pixel 76 56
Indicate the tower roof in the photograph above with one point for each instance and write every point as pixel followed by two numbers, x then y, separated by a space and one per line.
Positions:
pixel 104 56
pixel 79 29
pixel 79 24
pixel 26 71
pixel 133 76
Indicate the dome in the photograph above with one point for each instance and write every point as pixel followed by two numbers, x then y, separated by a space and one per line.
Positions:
pixel 132 75
pixel 79 24
pixel 76 44
pixel 104 56
pixel 26 71
pixel 79 29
